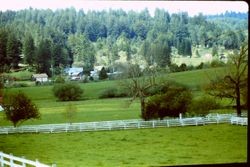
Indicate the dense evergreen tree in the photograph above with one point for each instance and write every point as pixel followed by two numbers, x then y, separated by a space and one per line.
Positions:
pixel 29 50
pixel 74 35
pixel 43 55
pixel 103 74
pixel 3 58
pixel 13 51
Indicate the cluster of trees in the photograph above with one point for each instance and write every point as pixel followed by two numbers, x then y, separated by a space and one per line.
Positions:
pixel 156 100
pixel 159 101
pixel 50 40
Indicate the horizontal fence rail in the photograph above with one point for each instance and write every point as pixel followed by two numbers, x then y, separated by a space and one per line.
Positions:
pixel 125 124
pixel 13 161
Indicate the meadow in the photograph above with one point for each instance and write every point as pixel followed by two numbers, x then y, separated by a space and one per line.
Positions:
pixel 210 144
pixel 91 108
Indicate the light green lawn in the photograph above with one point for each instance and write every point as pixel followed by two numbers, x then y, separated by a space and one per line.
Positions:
pixel 87 111
pixel 210 144
pixel 90 108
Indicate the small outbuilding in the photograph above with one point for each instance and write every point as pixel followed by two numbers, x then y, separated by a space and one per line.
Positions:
pixel 1 108
pixel 40 77
pixel 74 73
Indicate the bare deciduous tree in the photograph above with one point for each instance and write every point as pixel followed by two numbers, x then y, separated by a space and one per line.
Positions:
pixel 138 84
pixel 233 84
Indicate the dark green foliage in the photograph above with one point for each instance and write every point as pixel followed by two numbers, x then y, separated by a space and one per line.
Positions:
pixel 18 85
pixel 18 108
pixel 174 68
pixel 215 51
pixel 4 63
pixel 113 92
pixel 217 63
pixel 95 29
pixel 13 51
pixel 73 34
pixel 67 91
pixel 183 67
pixel 29 50
pixel 202 106
pixel 108 93
pixel 59 79
pixel 175 101
pixel 43 55
pixel 157 89
pixel 231 41
pixel 200 66
pixel 103 74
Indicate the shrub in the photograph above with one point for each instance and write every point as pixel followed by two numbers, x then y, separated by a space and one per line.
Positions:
pixel 108 93
pixel 174 68
pixel 103 74
pixel 203 105
pixel 217 63
pixel 113 92
pixel 200 66
pixel 183 67
pixel 18 85
pixel 157 89
pixel 59 79
pixel 18 108
pixel 67 91
pixel 176 100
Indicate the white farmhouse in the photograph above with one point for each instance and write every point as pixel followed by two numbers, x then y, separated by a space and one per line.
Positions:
pixel 74 73
pixel 40 77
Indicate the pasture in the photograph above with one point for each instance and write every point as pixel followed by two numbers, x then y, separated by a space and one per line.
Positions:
pixel 210 144
pixel 91 108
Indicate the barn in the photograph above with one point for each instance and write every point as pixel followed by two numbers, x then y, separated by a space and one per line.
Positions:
pixel 43 77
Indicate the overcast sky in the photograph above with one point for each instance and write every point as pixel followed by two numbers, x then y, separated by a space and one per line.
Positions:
pixel 192 7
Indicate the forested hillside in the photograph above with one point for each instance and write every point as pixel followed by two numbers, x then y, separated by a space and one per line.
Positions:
pixel 44 38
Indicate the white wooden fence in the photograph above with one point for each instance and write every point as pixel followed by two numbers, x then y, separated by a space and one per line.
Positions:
pixel 13 161
pixel 124 124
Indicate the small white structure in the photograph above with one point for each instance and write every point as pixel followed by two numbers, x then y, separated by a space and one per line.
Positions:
pixel 40 77
pixel 95 73
pixel 75 73
pixel 1 108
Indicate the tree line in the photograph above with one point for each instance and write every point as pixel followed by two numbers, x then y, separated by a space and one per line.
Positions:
pixel 51 40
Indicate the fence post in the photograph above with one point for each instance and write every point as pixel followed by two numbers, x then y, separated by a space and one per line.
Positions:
pixel 110 126
pixel 66 128
pixel 37 163
pixel 1 158
pixel 196 121
pixel 153 122
pixel 23 164
pixel 167 123
pixel 11 160
pixel 124 125
pixel 95 126
pixel 138 125
pixel 217 118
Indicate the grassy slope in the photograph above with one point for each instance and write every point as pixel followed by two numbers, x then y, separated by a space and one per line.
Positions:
pixel 149 147
pixel 92 109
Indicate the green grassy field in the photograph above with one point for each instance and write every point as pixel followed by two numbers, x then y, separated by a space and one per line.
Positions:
pixel 210 144
pixel 90 108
